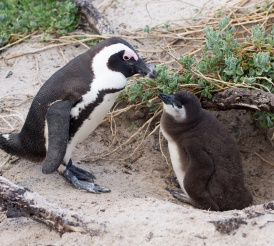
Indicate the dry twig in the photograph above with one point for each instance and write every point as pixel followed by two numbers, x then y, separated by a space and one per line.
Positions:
pixel 20 201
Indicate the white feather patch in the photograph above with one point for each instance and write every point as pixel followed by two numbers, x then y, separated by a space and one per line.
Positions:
pixel 175 160
pixel 6 136
pixel 179 114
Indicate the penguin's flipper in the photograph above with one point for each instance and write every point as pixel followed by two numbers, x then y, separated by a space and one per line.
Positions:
pixel 74 178
pixel 58 119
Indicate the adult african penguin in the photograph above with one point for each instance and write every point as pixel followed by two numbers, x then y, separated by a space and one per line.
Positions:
pixel 71 104
pixel 205 158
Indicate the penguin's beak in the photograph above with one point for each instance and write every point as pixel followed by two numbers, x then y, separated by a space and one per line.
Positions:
pixel 171 100
pixel 167 99
pixel 145 69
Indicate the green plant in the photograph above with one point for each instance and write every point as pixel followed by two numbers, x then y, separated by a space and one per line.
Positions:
pixel 147 29
pixel 223 57
pixel 20 17
pixel 261 64
pixel 166 25
pixel 257 35
pixel 145 90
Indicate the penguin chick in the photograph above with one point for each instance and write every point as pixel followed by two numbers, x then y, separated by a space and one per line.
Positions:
pixel 71 104
pixel 205 158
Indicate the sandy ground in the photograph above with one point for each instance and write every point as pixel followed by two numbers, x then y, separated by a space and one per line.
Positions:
pixel 138 211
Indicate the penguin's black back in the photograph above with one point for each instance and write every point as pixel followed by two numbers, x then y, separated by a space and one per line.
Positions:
pixel 69 83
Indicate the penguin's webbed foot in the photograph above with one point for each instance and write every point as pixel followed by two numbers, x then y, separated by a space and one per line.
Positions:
pixel 88 186
pixel 181 196
pixel 80 173
pixel 79 177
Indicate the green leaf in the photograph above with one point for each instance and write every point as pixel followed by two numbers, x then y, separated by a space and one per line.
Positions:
pixel 187 61
pixel 147 29
pixel 257 35
pixel 223 23
pixel 261 62
pixel 233 67
pixel 265 119
pixel 202 66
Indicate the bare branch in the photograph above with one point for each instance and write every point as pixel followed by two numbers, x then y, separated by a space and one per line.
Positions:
pixel 240 98
pixel 94 18
pixel 19 201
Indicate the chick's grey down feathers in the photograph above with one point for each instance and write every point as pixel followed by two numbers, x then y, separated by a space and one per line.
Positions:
pixel 209 158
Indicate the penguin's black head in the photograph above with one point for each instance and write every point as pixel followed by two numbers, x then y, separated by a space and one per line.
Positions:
pixel 182 106
pixel 117 55
pixel 127 61
pixel 114 60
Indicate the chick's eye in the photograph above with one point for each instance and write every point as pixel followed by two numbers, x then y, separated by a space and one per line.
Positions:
pixel 177 104
pixel 126 58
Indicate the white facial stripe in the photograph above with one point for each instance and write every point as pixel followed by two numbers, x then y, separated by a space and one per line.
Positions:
pixel 104 78
pixel 179 114
pixel 101 59
pixel 169 109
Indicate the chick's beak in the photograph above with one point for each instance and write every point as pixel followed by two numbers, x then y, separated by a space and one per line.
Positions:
pixel 167 99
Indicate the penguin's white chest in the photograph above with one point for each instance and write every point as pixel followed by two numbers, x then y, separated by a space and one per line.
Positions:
pixel 95 117
pixel 175 160
pixel 90 123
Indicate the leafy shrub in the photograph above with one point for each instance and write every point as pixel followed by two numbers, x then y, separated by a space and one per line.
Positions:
pixel 20 17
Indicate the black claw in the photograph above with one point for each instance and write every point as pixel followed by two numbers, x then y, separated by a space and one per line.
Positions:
pixel 88 186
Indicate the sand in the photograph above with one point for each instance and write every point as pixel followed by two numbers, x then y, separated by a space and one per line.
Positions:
pixel 139 210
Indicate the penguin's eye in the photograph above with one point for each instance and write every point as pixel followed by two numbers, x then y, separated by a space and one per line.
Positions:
pixel 126 58
pixel 177 104
pixel 128 54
